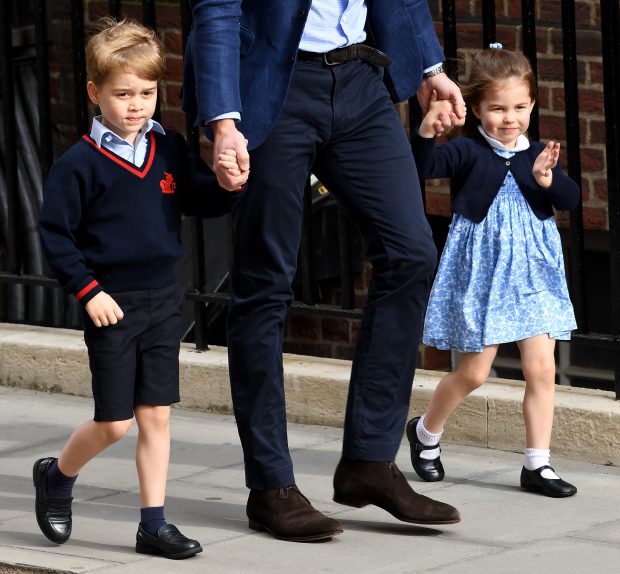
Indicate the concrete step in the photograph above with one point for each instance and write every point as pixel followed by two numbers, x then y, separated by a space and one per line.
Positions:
pixel 586 427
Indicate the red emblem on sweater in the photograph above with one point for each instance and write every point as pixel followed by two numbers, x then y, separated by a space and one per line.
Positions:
pixel 167 184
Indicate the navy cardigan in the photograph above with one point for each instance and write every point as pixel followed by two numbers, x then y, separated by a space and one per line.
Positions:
pixel 477 174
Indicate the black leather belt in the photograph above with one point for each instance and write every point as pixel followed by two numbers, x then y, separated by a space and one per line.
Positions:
pixel 346 54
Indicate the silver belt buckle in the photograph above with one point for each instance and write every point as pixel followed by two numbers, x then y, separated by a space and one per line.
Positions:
pixel 327 62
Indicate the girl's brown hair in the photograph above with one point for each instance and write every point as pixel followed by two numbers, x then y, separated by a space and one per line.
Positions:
pixel 489 68
pixel 124 45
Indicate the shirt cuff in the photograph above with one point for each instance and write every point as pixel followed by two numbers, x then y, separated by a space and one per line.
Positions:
pixel 229 115
pixel 426 70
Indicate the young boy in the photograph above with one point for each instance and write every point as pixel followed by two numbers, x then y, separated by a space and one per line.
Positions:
pixel 110 226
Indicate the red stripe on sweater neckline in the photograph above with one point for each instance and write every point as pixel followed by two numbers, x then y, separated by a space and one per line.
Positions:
pixel 141 173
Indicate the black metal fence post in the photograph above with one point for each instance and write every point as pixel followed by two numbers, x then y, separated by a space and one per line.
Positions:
pixel 573 139
pixel 528 16
pixel 610 35
pixel 9 151
pixel 79 65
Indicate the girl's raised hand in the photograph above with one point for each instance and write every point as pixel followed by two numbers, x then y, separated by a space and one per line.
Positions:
pixel 545 162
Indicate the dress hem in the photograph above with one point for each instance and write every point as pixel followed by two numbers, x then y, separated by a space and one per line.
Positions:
pixel 443 345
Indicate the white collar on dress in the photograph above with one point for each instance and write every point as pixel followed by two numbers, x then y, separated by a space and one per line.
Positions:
pixel 521 144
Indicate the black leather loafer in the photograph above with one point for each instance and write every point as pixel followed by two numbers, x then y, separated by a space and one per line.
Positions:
pixel 169 543
pixel 53 514
pixel 533 481
pixel 430 470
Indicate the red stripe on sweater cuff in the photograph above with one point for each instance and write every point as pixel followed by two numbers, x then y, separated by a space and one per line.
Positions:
pixel 86 289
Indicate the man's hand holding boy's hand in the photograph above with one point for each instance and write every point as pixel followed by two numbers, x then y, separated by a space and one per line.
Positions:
pixel 227 137
pixel 103 310
pixel 228 161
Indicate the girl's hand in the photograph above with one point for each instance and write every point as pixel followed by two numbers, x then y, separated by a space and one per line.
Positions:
pixel 439 118
pixel 545 162
pixel 445 89
pixel 103 310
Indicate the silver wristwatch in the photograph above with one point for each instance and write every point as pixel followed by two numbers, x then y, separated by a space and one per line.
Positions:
pixel 438 70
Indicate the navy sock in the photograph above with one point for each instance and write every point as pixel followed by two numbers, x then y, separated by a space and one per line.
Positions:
pixel 58 485
pixel 152 519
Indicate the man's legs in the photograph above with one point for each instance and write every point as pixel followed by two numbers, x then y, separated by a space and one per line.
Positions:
pixel 267 218
pixel 369 167
pixel 267 228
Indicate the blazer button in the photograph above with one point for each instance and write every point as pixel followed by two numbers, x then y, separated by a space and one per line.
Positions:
pixel 291 59
pixel 302 13
pixel 507 163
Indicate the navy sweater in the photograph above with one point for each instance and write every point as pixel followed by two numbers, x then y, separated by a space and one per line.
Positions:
pixel 477 174
pixel 107 224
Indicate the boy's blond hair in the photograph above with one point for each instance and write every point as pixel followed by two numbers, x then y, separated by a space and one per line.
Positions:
pixel 124 45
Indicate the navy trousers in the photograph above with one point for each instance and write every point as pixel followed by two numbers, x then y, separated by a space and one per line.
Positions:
pixel 339 122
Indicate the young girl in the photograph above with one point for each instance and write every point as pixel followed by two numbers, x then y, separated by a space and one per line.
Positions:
pixel 501 275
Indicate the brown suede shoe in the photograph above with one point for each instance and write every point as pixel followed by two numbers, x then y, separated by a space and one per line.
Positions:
pixel 359 483
pixel 288 515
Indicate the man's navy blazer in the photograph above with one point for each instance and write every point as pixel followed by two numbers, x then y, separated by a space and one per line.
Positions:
pixel 266 34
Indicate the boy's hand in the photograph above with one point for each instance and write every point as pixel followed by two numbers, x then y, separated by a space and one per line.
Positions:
pixel 103 310
pixel 226 137
pixel 545 162
pixel 228 161
pixel 440 117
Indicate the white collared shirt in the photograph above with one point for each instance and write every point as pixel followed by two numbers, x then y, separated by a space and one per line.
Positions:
pixel 135 153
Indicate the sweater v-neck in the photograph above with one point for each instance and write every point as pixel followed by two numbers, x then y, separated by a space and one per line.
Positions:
pixel 141 171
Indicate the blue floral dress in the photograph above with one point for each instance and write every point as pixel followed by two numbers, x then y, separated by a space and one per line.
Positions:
pixel 500 280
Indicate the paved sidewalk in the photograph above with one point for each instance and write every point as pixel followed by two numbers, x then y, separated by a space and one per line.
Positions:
pixel 504 530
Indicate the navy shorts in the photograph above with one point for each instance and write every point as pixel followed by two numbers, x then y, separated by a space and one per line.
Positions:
pixel 136 361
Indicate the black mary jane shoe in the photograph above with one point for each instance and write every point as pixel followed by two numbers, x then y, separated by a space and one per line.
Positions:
pixel 430 470
pixel 169 543
pixel 53 514
pixel 533 481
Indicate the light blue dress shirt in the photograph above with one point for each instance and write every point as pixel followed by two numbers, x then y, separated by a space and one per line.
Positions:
pixel 334 24
pixel 135 153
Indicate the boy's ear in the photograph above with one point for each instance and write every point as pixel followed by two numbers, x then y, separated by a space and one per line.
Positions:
pixel 476 111
pixel 93 92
